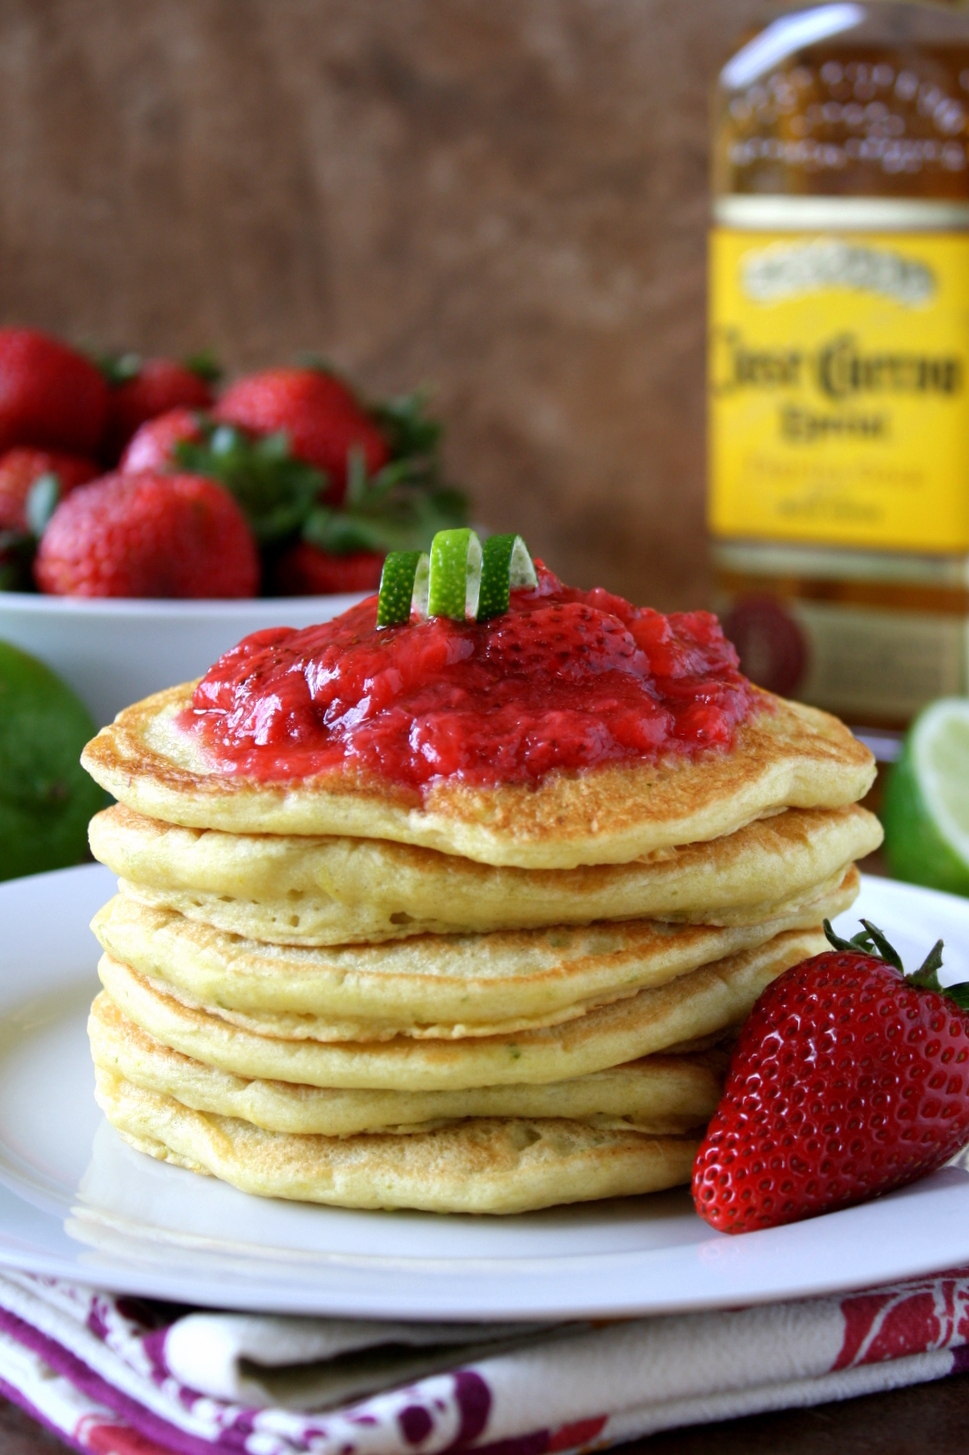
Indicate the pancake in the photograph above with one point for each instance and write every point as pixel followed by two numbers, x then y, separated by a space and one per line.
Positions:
pixel 481 1166
pixel 706 1002
pixel 284 889
pixel 440 987
pixel 663 1095
pixel 785 755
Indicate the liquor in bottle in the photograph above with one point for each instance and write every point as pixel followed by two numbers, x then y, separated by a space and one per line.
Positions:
pixel 839 356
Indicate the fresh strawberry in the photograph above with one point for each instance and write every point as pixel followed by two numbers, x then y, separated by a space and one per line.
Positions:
pixel 21 468
pixel 153 445
pixel 304 570
pixel 50 396
pixel 849 1078
pixel 319 415
pixel 148 535
pixel 142 390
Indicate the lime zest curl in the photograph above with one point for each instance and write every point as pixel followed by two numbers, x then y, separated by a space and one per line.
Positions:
pixel 459 578
pixel 403 585
pixel 506 567
pixel 455 574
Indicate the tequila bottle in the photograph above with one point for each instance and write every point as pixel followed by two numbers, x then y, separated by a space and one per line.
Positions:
pixel 839 356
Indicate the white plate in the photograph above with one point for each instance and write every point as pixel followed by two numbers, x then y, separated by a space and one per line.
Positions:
pixel 115 652
pixel 76 1202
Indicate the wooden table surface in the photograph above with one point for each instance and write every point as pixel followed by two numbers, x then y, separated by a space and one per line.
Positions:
pixel 927 1417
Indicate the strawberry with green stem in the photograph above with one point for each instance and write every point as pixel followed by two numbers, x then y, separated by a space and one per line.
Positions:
pixel 399 509
pixel 316 546
pixel 849 1078
pixel 23 469
pixel 310 544
pixel 143 389
pixel 276 491
pixel 32 483
pixel 317 412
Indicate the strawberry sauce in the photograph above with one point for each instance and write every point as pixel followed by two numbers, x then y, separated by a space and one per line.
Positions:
pixel 566 679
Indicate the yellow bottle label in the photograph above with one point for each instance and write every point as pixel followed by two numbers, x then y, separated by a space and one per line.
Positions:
pixel 839 388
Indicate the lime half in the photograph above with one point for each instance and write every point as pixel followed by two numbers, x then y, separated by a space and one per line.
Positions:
pixel 46 798
pixel 926 806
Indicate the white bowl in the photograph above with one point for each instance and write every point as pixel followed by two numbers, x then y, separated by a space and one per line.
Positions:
pixel 114 652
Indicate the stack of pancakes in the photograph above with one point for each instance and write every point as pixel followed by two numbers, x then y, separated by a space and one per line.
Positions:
pixel 488 1000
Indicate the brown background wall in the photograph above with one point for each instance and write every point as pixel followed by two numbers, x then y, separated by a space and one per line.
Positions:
pixel 505 198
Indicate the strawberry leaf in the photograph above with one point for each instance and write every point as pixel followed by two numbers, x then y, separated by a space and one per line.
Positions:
pixel 276 491
pixel 398 519
pixel 405 425
pixel 43 498
pixel 871 941
pixel 926 977
pixel 401 508
pixel 357 483
pixel 860 944
pixel 18 547
pixel 320 364
pixel 868 941
pixel 884 946
pixel 958 993
pixel 17 550
pixel 928 972
pixel 118 368
pixel 205 365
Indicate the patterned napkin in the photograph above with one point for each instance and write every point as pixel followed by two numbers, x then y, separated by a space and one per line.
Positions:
pixel 120 1376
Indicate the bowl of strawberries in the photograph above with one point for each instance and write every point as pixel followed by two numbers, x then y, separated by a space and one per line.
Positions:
pixel 150 519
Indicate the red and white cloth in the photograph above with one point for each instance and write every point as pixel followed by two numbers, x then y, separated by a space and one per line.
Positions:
pixel 120 1376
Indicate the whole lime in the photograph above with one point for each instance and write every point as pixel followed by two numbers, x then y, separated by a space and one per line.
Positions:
pixel 46 798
